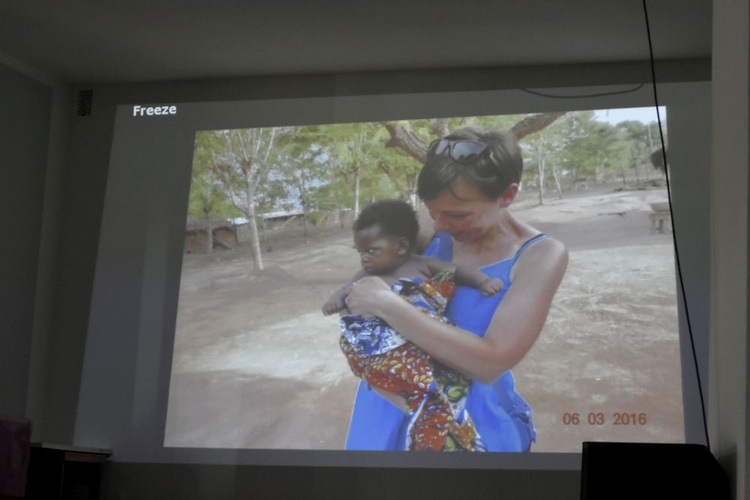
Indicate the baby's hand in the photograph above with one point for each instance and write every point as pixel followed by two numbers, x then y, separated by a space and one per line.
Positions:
pixel 491 286
pixel 334 304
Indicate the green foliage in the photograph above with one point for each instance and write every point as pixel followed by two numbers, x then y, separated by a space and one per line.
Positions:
pixel 500 122
pixel 323 168
pixel 331 196
pixel 315 218
pixel 207 198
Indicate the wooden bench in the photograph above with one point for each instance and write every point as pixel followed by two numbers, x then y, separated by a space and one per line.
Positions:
pixel 658 220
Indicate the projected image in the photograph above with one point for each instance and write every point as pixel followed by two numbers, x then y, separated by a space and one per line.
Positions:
pixel 283 220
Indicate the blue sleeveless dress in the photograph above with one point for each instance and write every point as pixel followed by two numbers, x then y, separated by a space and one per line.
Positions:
pixel 502 418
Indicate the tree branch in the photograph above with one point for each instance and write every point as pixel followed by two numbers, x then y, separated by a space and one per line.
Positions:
pixel 534 123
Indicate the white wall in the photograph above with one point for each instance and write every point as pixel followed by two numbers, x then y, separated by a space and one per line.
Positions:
pixel 59 284
pixel 24 129
pixel 730 391
pixel 108 413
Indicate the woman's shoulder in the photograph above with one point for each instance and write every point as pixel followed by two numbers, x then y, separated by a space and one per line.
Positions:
pixel 541 254
pixel 535 243
pixel 543 242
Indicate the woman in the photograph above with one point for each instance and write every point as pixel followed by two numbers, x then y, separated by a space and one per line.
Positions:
pixel 468 182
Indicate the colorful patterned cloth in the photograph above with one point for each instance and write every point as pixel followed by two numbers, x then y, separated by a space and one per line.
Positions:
pixel 500 415
pixel 435 394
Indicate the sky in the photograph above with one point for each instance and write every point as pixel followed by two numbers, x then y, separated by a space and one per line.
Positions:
pixel 644 115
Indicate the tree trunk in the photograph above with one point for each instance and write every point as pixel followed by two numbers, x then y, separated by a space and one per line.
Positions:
pixel 534 123
pixel 635 169
pixel 574 186
pixel 356 192
pixel 439 127
pixel 254 239
pixel 303 204
pixel 558 186
pixel 407 140
pixel 540 159
pixel 622 174
pixel 209 232
pixel 413 145
pixel 540 175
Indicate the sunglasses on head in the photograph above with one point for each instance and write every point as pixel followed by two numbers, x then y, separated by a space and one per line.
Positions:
pixel 462 150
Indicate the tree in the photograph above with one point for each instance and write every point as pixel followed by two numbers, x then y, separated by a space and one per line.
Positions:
pixel 242 165
pixel 414 143
pixel 545 147
pixel 402 165
pixel 349 152
pixel 206 199
pixel 592 148
pixel 332 197
pixel 300 164
pixel 534 123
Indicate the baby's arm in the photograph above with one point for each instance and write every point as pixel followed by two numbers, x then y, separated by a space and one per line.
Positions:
pixel 467 276
pixel 336 302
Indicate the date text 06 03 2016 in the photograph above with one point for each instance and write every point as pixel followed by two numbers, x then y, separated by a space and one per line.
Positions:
pixel 154 110
pixel 599 418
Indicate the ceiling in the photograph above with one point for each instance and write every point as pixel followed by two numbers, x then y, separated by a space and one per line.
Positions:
pixel 159 40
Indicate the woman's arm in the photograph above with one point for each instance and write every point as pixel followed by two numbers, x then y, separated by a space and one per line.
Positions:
pixel 514 327
pixel 336 302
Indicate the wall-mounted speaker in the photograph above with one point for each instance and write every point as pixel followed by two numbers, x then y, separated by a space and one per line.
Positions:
pixel 643 471
pixel 85 102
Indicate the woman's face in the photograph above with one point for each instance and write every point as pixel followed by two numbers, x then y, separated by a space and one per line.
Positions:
pixel 465 212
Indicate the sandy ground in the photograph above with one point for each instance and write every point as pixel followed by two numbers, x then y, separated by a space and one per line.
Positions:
pixel 256 365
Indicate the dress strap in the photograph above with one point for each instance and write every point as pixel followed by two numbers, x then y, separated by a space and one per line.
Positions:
pixel 441 247
pixel 527 244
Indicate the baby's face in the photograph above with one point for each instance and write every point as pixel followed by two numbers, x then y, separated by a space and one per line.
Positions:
pixel 378 252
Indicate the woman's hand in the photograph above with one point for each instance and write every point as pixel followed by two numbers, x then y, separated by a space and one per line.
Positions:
pixel 368 296
pixel 335 304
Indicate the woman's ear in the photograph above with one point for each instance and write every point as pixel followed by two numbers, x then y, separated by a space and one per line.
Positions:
pixel 508 196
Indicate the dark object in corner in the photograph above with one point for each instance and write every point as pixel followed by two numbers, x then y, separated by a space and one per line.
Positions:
pixel 64 472
pixel 644 471
pixel 15 436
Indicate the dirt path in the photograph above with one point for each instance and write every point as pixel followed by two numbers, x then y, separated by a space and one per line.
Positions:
pixel 256 365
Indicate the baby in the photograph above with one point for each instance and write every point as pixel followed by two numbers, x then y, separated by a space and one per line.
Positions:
pixel 385 236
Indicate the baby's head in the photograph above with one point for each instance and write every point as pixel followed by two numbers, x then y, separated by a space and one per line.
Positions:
pixel 385 234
